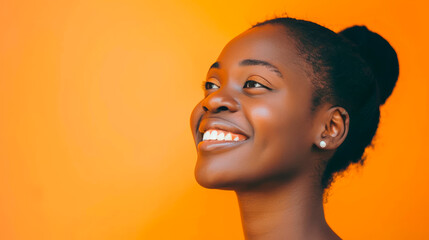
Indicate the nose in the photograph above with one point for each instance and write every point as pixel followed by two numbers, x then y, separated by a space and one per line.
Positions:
pixel 219 101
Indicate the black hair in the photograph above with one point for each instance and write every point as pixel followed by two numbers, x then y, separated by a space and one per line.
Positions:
pixel 356 69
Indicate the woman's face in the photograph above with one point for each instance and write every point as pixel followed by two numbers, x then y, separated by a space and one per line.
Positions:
pixel 257 98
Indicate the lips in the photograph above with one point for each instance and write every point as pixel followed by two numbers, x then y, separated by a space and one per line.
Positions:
pixel 216 134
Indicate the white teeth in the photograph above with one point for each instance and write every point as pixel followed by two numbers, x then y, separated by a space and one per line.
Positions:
pixel 228 137
pixel 213 135
pixel 206 136
pixel 220 136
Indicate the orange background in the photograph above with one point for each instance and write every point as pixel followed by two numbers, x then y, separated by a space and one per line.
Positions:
pixel 95 98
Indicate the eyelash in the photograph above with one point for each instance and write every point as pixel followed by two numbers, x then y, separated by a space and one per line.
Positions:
pixel 255 82
pixel 205 85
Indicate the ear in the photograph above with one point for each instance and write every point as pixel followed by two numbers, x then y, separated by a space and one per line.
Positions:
pixel 335 126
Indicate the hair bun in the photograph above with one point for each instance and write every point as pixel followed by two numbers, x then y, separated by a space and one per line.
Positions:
pixel 379 55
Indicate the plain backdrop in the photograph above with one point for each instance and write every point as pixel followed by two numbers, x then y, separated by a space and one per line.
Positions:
pixel 95 99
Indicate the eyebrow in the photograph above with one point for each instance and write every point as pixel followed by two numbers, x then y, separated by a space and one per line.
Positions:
pixel 253 62
pixel 215 65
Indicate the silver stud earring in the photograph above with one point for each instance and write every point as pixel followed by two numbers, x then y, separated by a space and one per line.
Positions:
pixel 322 144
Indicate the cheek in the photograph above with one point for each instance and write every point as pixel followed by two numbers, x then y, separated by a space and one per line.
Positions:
pixel 263 120
pixel 280 137
pixel 271 121
pixel 196 115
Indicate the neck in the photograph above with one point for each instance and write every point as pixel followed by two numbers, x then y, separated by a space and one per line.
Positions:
pixel 292 210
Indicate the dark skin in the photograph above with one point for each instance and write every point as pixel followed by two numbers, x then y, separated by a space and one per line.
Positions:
pixel 259 91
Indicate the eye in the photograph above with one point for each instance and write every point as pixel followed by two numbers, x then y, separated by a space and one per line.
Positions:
pixel 209 85
pixel 254 84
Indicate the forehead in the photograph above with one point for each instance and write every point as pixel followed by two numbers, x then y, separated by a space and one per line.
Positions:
pixel 268 42
pixel 271 43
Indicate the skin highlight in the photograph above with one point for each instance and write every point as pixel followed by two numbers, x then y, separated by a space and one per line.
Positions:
pixel 259 87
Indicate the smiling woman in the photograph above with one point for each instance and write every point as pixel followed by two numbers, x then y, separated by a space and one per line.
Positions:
pixel 288 105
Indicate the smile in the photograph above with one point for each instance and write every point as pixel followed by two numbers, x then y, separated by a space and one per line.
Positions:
pixel 221 135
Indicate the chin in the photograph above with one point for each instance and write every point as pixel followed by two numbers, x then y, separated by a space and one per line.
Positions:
pixel 215 179
pixel 227 179
pixel 243 177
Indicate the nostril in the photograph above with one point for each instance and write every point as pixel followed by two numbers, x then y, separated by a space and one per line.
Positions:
pixel 219 109
pixel 222 108
pixel 217 103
